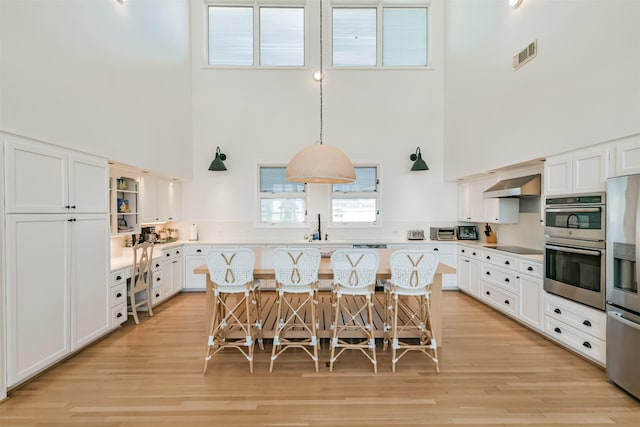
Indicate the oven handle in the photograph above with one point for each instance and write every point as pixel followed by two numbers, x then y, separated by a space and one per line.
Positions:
pixel 618 316
pixel 575 250
pixel 574 210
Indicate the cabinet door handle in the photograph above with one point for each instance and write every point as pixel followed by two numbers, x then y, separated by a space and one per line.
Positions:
pixel 557 331
pixel 67 207
pixel 507 262
pixel 175 262
pixel 462 251
pixel 198 251
pixel 507 302
pixel 586 323
pixel 168 254
pixel 158 279
pixel 157 265
pixel 466 260
pixel 473 253
pixel 488 257
pixel 488 273
pixel 177 252
pixel 435 249
pixel 119 315
pixel 506 279
pixel 529 268
pixel 73 207
pixel 586 344
pixel 119 295
pixel 118 277
pixel 557 311
pixel 487 293
pixel 157 295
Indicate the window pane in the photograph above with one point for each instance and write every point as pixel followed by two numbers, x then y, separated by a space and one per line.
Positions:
pixel 281 211
pixel 230 35
pixel 366 180
pixel 282 36
pixel 354 37
pixel 354 210
pixel 404 36
pixel 272 181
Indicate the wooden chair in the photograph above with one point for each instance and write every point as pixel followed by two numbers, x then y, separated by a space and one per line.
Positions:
pixel 140 287
pixel 354 280
pixel 296 273
pixel 236 320
pixel 407 297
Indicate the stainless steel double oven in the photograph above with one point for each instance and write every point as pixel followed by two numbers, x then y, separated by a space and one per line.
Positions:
pixel 574 251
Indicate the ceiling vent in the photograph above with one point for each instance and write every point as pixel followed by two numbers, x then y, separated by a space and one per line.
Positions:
pixel 526 55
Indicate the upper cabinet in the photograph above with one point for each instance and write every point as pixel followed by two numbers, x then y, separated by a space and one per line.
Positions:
pixel 42 178
pixel 582 171
pixel 125 203
pixel 627 156
pixel 473 207
pixel 160 199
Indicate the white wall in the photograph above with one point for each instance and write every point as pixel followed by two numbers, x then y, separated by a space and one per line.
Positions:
pixel 102 77
pixel 265 116
pixel 583 87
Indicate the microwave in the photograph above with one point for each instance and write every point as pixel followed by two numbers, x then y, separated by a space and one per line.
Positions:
pixel 467 232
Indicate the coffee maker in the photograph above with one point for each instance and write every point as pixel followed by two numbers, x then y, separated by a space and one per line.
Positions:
pixel 148 234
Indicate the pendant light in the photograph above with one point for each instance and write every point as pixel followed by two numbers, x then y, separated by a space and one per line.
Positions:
pixel 320 163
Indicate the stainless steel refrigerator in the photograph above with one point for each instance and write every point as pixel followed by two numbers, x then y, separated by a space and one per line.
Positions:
pixel 623 298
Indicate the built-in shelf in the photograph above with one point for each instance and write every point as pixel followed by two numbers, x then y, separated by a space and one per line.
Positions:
pixel 125 216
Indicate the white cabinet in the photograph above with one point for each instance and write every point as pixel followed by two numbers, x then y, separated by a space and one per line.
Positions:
pixel 627 156
pixel 172 271
pixel 469 268
pixel 581 328
pixel 530 299
pixel 125 204
pixel 118 296
pixel 194 257
pixel 175 201
pixel 470 201
pixel 581 171
pixel 446 255
pixel 41 178
pixel 155 199
pixel 57 291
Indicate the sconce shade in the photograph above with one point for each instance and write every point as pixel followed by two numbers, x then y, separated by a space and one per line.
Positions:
pixel 217 163
pixel 418 163
pixel 320 164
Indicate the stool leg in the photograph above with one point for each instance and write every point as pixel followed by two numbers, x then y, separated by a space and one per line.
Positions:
pixel 314 339
pixel 334 335
pixel 394 328
pixel 210 336
pixel 249 326
pixel 276 336
pixel 372 336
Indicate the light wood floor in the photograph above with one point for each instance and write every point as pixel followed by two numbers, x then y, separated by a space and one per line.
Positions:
pixel 493 372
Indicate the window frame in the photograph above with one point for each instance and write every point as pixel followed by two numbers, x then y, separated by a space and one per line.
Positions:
pixel 280 195
pixel 380 6
pixel 256 6
pixel 358 195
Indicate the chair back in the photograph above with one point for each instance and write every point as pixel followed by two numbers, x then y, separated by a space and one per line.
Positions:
pixel 231 267
pixel 142 262
pixel 413 269
pixel 296 267
pixel 354 268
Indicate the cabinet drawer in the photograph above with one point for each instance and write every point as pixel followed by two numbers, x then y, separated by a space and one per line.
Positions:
pixel 157 295
pixel 532 268
pixel 157 265
pixel 118 314
pixel 172 253
pixel 579 341
pixel 502 278
pixel 197 249
pixel 469 252
pixel 501 260
pixel 118 294
pixel 501 299
pixel 120 276
pixel 157 279
pixel 580 317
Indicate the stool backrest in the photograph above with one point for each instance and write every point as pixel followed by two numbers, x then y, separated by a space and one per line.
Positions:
pixel 142 262
pixel 231 266
pixel 354 268
pixel 296 266
pixel 413 269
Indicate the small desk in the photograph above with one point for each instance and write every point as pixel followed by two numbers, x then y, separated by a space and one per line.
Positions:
pixel 384 273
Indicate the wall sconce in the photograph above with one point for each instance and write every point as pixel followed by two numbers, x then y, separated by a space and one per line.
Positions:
pixel 418 163
pixel 216 164
pixel 514 3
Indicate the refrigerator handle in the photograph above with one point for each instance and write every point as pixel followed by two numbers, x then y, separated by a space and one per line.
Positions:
pixel 618 317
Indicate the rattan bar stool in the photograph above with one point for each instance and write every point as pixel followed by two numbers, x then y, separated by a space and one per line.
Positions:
pixel 139 292
pixel 354 280
pixel 407 297
pixel 236 321
pixel 296 272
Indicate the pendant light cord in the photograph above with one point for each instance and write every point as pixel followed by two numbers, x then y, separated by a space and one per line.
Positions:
pixel 321 74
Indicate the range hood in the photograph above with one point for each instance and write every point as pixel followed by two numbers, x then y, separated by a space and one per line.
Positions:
pixel 524 186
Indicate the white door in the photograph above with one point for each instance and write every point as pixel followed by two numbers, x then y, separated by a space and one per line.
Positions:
pixel 36 177
pixel 175 200
pixel 590 170
pixel 37 293
pixel 176 275
pixel 474 277
pixel 89 278
pixel 88 184
pixel 148 189
pixel 194 281
pixel 463 274
pixel 531 301
pixel 162 199
pixel 558 176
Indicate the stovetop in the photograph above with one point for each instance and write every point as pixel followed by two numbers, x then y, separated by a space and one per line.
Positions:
pixel 516 250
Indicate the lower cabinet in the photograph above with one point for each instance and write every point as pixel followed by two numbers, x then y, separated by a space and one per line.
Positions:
pixel 581 328
pixel 194 257
pixel 57 288
pixel 503 300
pixel 119 296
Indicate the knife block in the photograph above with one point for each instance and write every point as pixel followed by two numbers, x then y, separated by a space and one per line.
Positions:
pixel 491 238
